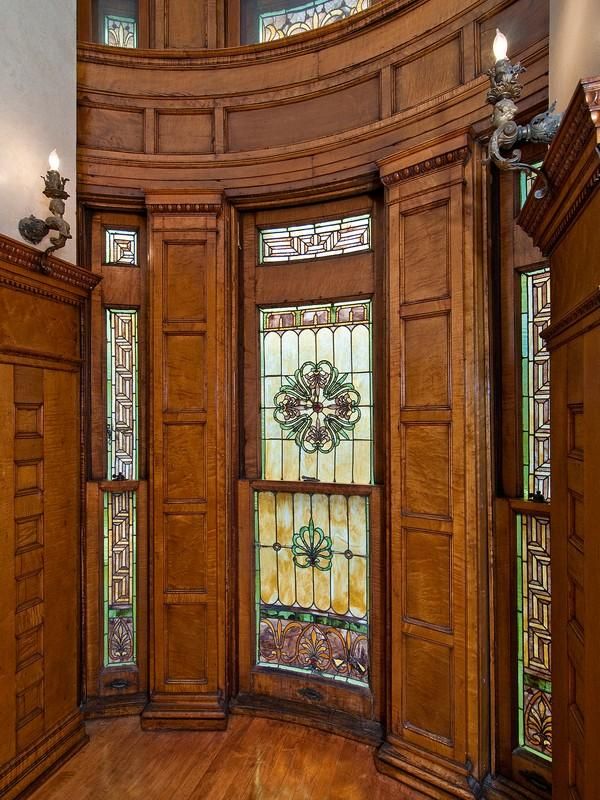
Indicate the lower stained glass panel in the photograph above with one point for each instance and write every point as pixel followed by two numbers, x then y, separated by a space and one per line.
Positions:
pixel 119 578
pixel 312 571
pixel 533 613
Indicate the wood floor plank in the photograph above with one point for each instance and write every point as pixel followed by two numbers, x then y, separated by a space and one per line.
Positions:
pixel 254 759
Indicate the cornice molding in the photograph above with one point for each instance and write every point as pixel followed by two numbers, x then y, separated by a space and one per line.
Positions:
pixel 40 291
pixel 587 306
pixel 184 208
pixel 458 156
pixel 20 255
pixel 572 166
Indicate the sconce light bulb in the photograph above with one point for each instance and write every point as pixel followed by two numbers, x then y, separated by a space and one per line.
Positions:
pixel 500 46
pixel 54 160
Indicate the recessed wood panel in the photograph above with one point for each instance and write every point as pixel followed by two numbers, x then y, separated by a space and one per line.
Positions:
pixel 576 431
pixel 185 282
pixel 185 638
pixel 426 486
pixel 28 420
pixel 185 538
pixel 512 21
pixel 425 262
pixel 28 477
pixel 30 702
pixel 29 646
pixel 428 689
pixel 30 590
pixel 110 129
pixel 29 532
pixel 185 133
pixel 426 350
pixel 185 463
pixel 575 515
pixel 185 372
pixel 442 68
pixel 185 24
pixel 36 324
pixel 302 120
pixel 427 577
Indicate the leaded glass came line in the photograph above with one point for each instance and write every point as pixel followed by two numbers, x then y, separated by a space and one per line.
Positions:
pixel 289 21
pixel 120 589
pixel 120 247
pixel 120 31
pixel 315 240
pixel 121 393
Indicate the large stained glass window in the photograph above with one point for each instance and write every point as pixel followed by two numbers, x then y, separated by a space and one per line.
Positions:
pixel 535 381
pixel 121 393
pixel 119 578
pixel 317 393
pixel 120 31
pixel 312 570
pixel 315 240
pixel 289 21
pixel 120 247
pixel 534 650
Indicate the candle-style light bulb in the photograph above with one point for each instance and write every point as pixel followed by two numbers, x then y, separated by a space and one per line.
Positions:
pixel 500 46
pixel 54 160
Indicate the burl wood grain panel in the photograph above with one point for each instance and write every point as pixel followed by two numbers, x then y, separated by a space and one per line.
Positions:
pixel 273 125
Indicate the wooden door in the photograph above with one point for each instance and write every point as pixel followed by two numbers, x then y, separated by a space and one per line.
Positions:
pixel 309 500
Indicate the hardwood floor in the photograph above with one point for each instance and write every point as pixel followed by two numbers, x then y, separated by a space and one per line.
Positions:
pixel 254 759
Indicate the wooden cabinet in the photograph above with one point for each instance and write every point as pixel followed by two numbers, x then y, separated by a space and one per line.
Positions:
pixel 565 226
pixel 40 499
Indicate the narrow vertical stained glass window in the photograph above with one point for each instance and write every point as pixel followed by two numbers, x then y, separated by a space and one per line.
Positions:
pixel 312 240
pixel 121 393
pixel 120 31
pixel 535 380
pixel 534 649
pixel 120 247
pixel 289 21
pixel 119 578
pixel 526 181
pixel 312 572
pixel 317 393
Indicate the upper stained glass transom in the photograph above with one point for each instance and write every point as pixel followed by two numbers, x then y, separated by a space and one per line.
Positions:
pixel 290 21
pixel 315 239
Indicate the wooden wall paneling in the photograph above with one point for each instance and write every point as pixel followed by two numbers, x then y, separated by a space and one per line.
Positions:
pixel 565 226
pixel 41 472
pixel 187 313
pixel 435 741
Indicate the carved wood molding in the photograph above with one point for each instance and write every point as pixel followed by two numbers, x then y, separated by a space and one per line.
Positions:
pixel 458 156
pixel 572 317
pixel 23 286
pixel 573 169
pixel 184 208
pixel 13 252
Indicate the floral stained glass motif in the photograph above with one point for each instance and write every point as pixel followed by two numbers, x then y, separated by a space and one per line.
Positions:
pixel 120 31
pixel 120 247
pixel 535 381
pixel 534 643
pixel 312 569
pixel 289 21
pixel 315 240
pixel 316 404
pixel 121 394
pixel 119 578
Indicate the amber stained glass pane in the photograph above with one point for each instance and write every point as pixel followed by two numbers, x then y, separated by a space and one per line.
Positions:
pixel 289 21
pixel 316 393
pixel 535 381
pixel 312 573
pixel 315 239
pixel 119 578
pixel 534 643
pixel 121 393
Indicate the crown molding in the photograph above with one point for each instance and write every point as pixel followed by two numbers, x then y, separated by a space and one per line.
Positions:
pixel 458 156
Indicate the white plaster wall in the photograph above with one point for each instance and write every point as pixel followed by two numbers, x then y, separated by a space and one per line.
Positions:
pixel 574 46
pixel 38 63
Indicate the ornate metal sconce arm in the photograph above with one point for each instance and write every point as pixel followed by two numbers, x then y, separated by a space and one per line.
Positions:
pixel 33 229
pixel 504 90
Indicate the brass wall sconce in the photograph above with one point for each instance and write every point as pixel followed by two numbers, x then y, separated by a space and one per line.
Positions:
pixel 33 229
pixel 503 92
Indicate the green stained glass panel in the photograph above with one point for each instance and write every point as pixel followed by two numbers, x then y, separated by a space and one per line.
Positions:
pixel 120 585
pixel 317 393
pixel 312 572
pixel 526 181
pixel 122 393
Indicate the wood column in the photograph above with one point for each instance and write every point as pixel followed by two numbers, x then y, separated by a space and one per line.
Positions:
pixel 187 390
pixel 565 226
pixel 438 662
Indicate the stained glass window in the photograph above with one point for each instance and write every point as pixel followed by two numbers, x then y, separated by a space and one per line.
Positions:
pixel 526 181
pixel 121 393
pixel 120 247
pixel 533 614
pixel 289 21
pixel 120 31
pixel 535 380
pixel 312 571
pixel 315 239
pixel 317 394
pixel 119 578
